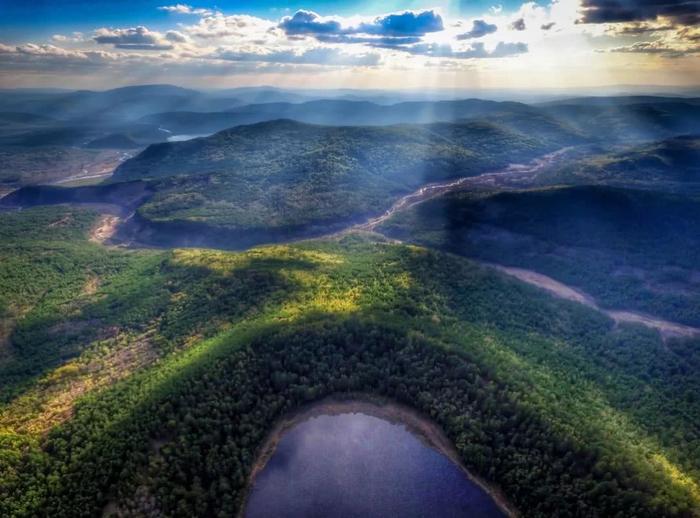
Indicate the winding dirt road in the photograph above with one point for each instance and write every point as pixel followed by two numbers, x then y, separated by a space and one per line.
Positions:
pixel 666 329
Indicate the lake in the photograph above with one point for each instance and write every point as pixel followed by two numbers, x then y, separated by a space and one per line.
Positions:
pixel 355 464
pixel 182 138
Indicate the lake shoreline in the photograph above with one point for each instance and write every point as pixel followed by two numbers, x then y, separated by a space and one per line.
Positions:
pixel 415 422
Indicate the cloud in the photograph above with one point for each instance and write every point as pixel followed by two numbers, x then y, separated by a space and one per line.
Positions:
pixel 185 9
pixel 135 38
pixel 315 56
pixel 668 40
pixel 518 25
pixel 175 37
pixel 657 47
pixel 685 12
pixel 308 22
pixel 637 28
pixel 479 28
pixel 372 41
pixel 406 24
pixel 503 50
pixel 51 58
pixel 477 50
pixel 238 26
pixel 689 34
pixel 76 37
pixel 547 26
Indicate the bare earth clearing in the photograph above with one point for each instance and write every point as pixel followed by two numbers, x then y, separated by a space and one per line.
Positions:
pixel 106 227
pixel 103 167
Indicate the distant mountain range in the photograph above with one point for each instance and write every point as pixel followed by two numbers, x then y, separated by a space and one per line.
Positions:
pixel 135 117
pixel 121 104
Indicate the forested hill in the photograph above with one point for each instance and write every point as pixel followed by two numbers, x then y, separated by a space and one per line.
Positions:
pixel 143 382
pixel 284 179
pixel 280 143
pixel 607 119
pixel 669 164
pixel 340 112
pixel 295 179
pixel 631 249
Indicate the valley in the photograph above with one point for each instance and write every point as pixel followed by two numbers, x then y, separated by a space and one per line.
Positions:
pixel 332 259
pixel 527 289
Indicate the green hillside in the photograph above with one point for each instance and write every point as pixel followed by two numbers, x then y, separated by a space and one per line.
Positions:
pixel 144 381
pixel 285 175
pixel 672 163
pixel 630 249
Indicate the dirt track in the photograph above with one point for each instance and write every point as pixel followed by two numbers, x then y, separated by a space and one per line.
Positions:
pixel 561 290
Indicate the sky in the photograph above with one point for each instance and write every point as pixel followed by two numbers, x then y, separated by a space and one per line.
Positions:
pixel 388 44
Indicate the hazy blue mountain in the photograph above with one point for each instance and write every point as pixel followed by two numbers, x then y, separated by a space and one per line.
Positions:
pixel 120 104
pixel 610 120
pixel 336 112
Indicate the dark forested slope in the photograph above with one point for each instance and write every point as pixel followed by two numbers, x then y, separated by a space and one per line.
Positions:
pixel 631 249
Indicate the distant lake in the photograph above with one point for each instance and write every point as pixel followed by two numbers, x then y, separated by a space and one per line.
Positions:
pixel 182 138
pixel 355 464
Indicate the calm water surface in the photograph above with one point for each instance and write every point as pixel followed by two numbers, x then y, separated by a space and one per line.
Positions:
pixel 182 138
pixel 357 465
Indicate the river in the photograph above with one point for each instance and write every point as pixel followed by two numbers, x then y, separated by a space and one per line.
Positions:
pixel 513 176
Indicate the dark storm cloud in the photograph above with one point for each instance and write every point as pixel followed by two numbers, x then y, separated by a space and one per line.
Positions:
pixel 684 12
pixel 479 28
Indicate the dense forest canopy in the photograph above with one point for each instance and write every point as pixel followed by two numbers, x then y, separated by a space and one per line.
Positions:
pixel 143 381
pixel 143 362
pixel 635 249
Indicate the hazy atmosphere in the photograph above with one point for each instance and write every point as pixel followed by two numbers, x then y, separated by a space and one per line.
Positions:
pixel 350 259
